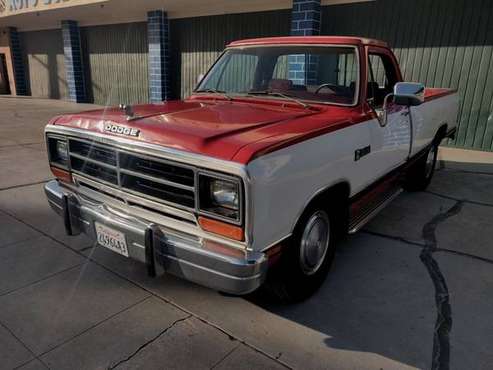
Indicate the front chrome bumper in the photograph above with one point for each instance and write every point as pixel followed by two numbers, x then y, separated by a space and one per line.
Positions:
pixel 158 246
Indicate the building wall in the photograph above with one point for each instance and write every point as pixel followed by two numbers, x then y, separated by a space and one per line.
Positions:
pixel 115 62
pixel 45 66
pixel 197 42
pixel 442 43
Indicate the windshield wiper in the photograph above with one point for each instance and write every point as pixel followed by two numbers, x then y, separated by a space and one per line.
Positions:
pixel 281 95
pixel 215 91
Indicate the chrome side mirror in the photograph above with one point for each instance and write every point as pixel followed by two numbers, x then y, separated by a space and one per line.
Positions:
pixel 409 93
pixel 405 93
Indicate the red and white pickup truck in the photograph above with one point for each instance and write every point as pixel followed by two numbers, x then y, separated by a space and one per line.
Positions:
pixel 286 145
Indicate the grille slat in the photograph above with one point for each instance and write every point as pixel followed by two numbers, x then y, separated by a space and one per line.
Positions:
pixel 96 153
pixel 161 170
pixel 157 190
pixel 159 179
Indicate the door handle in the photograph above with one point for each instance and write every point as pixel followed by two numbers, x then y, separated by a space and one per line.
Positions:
pixel 405 113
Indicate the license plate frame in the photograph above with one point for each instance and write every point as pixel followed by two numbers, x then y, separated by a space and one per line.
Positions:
pixel 111 239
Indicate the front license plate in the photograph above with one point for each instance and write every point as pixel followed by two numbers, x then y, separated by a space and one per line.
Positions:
pixel 111 239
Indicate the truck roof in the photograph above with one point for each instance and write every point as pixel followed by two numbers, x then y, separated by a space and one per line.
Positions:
pixel 285 40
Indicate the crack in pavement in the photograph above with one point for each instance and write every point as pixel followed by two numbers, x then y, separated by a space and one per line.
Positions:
pixel 20 144
pixel 392 237
pixel 443 324
pixel 24 185
pixel 128 358
pixel 463 254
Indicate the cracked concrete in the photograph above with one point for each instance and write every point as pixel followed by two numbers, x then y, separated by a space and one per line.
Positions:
pixel 441 342
pixel 143 346
pixel 65 304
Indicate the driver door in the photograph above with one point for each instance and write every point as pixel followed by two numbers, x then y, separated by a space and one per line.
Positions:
pixel 390 142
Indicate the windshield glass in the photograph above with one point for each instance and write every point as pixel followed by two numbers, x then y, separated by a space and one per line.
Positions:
pixel 319 73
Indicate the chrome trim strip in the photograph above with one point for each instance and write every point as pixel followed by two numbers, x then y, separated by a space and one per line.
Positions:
pixel 215 272
pixel 359 224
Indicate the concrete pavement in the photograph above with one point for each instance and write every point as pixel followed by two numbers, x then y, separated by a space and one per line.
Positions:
pixel 414 284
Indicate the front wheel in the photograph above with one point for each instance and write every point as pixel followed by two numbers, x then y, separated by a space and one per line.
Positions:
pixel 306 261
pixel 420 174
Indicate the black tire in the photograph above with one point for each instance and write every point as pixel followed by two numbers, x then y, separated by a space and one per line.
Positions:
pixel 293 278
pixel 419 176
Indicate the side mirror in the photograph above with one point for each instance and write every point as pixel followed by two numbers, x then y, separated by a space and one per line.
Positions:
pixel 405 93
pixel 409 93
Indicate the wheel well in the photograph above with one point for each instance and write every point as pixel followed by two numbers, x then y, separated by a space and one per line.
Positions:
pixel 440 135
pixel 333 199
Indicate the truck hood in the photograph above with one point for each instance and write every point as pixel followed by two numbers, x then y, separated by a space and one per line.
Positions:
pixel 217 128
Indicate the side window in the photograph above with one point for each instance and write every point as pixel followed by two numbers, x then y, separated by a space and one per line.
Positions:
pixel 381 78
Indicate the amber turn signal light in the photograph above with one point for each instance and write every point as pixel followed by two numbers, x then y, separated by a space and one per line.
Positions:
pixel 222 228
pixel 61 175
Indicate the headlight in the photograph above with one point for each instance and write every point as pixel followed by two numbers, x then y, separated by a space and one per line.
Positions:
pixel 220 196
pixel 224 194
pixel 58 151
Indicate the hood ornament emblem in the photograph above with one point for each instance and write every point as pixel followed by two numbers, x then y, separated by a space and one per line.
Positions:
pixel 127 108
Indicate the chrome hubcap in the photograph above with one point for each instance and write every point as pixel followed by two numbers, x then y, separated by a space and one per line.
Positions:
pixel 314 242
pixel 430 159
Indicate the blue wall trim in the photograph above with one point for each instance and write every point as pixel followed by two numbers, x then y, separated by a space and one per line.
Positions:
pixel 159 55
pixel 18 64
pixel 305 21
pixel 73 61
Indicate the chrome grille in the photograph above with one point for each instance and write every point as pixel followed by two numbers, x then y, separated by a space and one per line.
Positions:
pixel 153 178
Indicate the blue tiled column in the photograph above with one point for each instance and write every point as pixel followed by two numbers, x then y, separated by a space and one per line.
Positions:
pixel 73 61
pixel 305 18
pixel 19 71
pixel 159 73
pixel 305 21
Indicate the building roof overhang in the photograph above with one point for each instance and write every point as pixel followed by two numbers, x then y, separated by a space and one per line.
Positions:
pixel 37 16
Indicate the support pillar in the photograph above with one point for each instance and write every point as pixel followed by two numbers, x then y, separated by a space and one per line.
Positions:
pixel 17 62
pixel 73 61
pixel 305 21
pixel 159 55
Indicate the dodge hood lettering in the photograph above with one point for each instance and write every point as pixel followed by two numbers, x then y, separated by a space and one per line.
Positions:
pixel 121 130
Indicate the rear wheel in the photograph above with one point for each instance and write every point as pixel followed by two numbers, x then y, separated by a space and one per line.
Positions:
pixel 307 259
pixel 420 174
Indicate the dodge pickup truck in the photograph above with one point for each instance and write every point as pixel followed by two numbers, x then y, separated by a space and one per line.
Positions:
pixel 286 145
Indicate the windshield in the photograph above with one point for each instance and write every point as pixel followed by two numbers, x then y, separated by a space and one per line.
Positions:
pixel 326 74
